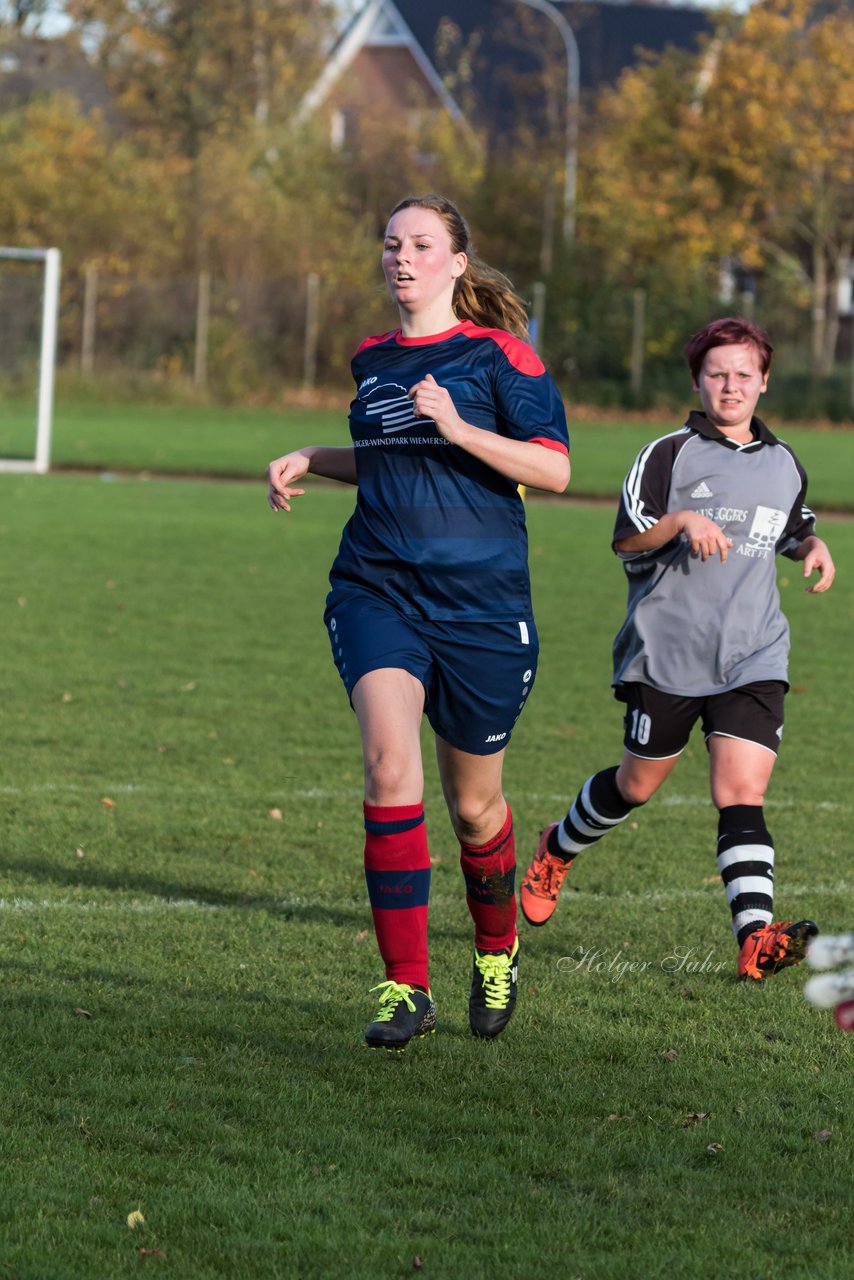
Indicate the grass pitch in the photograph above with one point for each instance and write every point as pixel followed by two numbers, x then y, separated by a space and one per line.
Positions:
pixel 185 974
pixel 206 439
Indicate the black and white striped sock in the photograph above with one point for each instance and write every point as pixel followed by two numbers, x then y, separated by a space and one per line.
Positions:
pixel 746 864
pixel 596 810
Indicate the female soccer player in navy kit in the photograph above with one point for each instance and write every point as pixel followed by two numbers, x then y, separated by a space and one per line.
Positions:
pixel 429 610
pixel 704 512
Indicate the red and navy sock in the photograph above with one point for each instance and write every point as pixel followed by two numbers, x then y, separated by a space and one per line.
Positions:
pixel 490 876
pixel 397 871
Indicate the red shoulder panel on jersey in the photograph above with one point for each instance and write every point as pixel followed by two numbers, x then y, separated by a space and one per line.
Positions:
pixel 372 342
pixel 521 356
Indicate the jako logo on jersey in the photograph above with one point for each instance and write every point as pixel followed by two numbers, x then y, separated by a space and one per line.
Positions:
pixel 395 888
pixel 369 382
pixel 496 737
pixel 390 403
pixel 702 491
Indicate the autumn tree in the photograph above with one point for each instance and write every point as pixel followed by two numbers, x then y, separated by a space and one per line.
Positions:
pixel 775 126
pixel 64 182
pixel 197 80
pixel 745 151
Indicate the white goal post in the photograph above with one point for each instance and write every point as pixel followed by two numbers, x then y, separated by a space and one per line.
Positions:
pixel 47 357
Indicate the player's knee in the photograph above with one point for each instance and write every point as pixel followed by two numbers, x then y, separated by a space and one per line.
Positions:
pixel 388 774
pixel 635 791
pixel 475 818
pixel 724 797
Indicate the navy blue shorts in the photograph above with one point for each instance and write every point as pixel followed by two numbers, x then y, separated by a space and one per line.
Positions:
pixel 476 675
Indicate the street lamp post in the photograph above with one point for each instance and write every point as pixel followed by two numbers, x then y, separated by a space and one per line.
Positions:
pixel 570 164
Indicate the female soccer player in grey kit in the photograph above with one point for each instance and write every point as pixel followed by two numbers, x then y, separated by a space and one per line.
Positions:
pixel 430 606
pixel 703 513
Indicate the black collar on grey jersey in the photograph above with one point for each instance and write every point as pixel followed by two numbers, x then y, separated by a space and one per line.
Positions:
pixel 700 423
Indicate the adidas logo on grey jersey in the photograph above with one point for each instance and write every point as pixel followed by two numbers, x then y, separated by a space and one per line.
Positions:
pixel 702 491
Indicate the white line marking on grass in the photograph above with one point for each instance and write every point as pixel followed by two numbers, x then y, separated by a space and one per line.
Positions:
pixel 135 906
pixel 61 788
pixel 560 798
pixel 110 905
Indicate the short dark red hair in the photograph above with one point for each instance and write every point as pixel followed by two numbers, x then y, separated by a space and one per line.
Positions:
pixel 728 332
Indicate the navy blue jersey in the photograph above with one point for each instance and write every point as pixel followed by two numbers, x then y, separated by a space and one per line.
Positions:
pixel 435 531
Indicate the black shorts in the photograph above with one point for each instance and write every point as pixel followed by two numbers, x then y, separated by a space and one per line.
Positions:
pixel 658 724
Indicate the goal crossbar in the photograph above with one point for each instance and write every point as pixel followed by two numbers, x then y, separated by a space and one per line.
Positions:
pixel 47 357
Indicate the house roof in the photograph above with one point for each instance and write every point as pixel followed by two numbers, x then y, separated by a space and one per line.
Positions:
pixel 31 67
pixel 504 43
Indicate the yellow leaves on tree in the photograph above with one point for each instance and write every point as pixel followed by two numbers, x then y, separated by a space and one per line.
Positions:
pixel 746 150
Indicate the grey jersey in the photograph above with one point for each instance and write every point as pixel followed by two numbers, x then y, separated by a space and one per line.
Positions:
pixel 697 627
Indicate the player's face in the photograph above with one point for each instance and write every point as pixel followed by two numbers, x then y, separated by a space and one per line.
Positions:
pixel 730 384
pixel 418 263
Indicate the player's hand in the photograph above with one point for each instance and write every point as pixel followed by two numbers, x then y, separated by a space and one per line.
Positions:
pixel 432 401
pixel 281 474
pixel 706 538
pixel 819 560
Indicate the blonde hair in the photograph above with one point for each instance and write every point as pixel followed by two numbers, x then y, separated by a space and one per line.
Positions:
pixel 481 294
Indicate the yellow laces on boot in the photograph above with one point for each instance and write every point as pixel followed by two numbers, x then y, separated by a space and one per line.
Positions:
pixel 393 993
pixel 496 972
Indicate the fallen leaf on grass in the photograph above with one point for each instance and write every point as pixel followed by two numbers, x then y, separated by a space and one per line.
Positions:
pixel 152 1253
pixel 670 1055
pixel 67 697
pixel 22 601
pixel 275 814
pixel 135 1219
pixel 710 880
pixel 188 687
pixel 362 935
pixel 615 1116
pixel 83 1013
pixel 799 688
pixel 823 1135
pixel 107 802
pixel 714 1147
pixel 694 1117
pixel 417 1264
pixel 79 853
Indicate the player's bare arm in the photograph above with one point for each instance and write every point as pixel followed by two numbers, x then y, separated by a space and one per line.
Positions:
pixel 283 473
pixel 706 538
pixel 522 461
pixel 816 558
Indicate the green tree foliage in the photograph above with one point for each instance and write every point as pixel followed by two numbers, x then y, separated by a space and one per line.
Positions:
pixel 62 181
pixel 776 132
pixel 184 70
pixel 747 151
